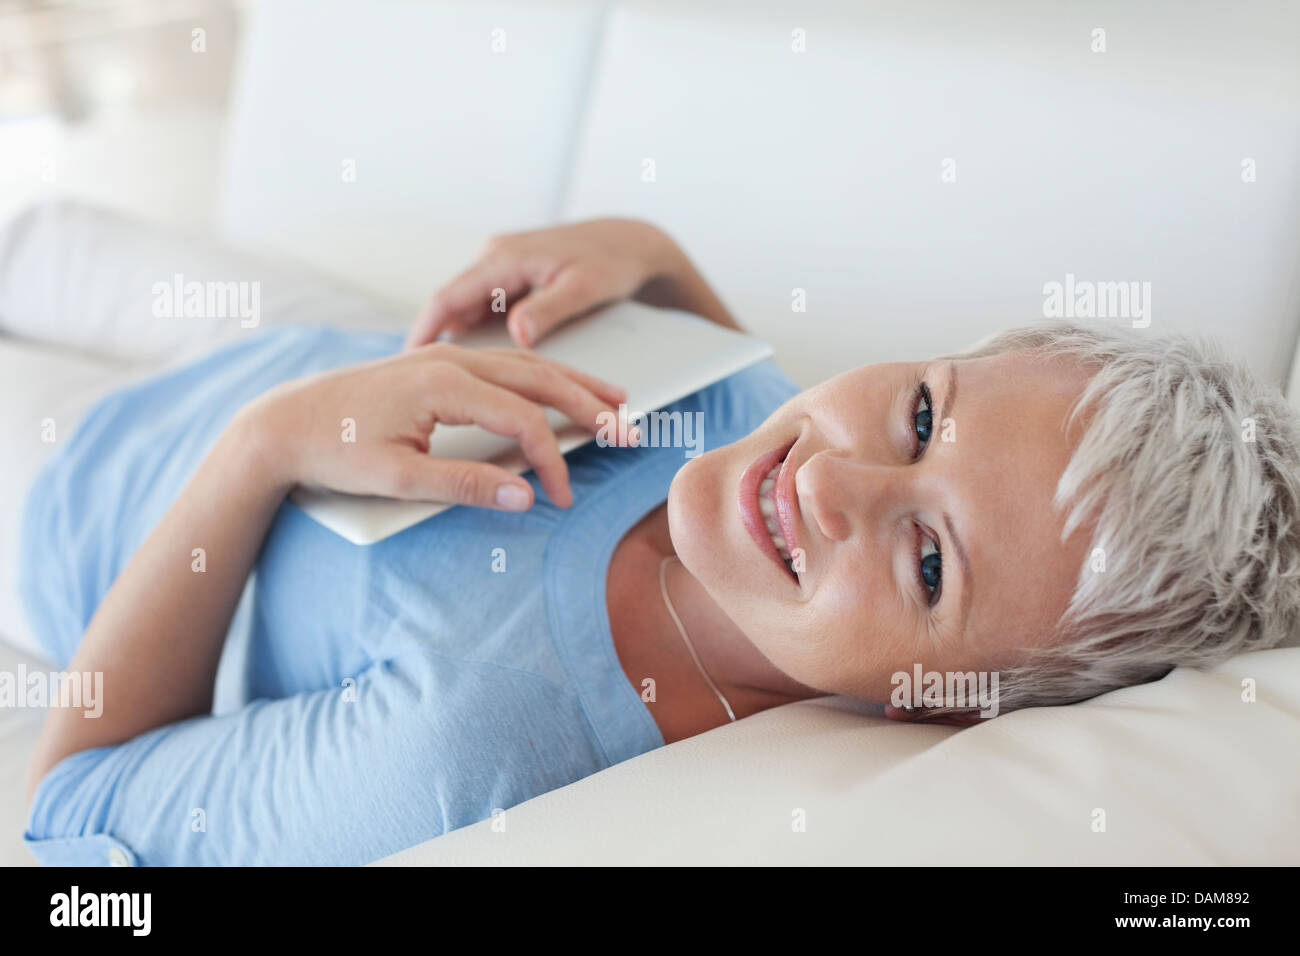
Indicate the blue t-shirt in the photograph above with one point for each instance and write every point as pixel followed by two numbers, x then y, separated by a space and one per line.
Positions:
pixel 378 696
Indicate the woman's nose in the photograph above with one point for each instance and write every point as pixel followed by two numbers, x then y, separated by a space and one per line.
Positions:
pixel 838 492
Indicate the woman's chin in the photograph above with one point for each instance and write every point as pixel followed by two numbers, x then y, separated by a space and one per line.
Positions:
pixel 696 520
pixel 679 517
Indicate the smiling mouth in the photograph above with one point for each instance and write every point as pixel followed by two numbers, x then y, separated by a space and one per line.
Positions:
pixel 767 508
pixel 766 511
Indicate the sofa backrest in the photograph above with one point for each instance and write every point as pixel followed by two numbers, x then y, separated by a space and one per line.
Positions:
pixel 923 169
pixel 384 142
pixel 913 175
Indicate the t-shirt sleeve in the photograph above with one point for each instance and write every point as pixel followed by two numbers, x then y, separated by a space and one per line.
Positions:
pixel 337 776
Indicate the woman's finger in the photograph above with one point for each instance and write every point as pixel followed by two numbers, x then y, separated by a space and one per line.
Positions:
pixel 570 292
pixel 462 398
pixel 464 300
pixel 614 394
pixel 547 383
pixel 456 304
pixel 414 475
pixel 429 324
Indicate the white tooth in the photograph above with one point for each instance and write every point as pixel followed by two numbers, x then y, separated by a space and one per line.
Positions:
pixel 765 486
pixel 778 541
pixel 766 506
pixel 769 521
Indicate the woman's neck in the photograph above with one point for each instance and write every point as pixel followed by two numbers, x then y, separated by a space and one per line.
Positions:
pixel 656 659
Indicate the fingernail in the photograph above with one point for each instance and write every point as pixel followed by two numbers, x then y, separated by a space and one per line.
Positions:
pixel 512 497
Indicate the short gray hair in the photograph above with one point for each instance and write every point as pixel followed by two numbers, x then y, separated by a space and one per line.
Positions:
pixel 1191 469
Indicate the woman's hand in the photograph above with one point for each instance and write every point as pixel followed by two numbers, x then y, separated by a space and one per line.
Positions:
pixel 364 429
pixel 552 275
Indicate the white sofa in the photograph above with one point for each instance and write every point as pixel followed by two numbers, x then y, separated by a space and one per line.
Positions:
pixel 828 169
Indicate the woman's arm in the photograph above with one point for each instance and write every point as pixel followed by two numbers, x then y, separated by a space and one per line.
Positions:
pixel 157 635
pixel 677 284
pixel 342 775
pixel 552 275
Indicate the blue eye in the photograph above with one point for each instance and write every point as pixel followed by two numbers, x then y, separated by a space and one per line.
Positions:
pixel 929 562
pixel 922 416
pixel 929 567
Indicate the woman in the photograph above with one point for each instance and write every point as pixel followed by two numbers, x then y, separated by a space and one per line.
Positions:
pixel 1069 508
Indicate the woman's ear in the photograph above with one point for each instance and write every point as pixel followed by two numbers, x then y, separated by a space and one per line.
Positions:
pixel 964 719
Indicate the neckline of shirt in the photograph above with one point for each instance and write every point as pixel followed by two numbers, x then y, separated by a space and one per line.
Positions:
pixel 576 568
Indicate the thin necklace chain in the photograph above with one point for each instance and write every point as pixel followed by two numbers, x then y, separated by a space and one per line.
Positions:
pixel 663 589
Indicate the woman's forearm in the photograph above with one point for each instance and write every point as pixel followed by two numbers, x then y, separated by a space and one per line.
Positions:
pixel 677 284
pixel 158 634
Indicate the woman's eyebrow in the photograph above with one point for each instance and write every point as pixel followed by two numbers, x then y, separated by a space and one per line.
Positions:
pixel 949 394
pixel 963 562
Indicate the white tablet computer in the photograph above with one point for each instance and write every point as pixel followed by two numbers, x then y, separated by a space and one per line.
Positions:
pixel 658 355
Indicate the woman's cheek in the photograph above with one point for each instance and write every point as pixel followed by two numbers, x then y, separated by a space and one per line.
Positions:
pixel 845 636
pixel 793 638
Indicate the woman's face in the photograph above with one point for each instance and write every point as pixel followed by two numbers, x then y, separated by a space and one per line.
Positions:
pixel 921 538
